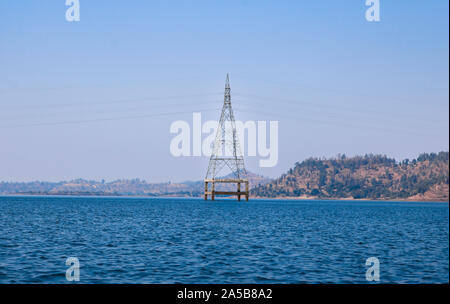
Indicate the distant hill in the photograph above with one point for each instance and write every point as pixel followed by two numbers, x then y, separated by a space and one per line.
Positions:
pixel 118 187
pixel 364 177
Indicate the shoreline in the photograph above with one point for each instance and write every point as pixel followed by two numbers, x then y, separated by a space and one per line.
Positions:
pixel 201 197
pixel 354 199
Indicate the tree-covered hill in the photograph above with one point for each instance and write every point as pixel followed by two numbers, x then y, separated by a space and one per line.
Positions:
pixel 364 177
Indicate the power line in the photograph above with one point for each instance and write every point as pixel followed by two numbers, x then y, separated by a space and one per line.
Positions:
pixel 101 119
pixel 117 101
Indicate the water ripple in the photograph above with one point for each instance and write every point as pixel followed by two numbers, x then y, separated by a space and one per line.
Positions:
pixel 147 240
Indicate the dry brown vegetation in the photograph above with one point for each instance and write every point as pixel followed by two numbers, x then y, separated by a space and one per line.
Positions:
pixel 364 177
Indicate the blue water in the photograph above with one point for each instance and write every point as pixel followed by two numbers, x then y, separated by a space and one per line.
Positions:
pixel 148 240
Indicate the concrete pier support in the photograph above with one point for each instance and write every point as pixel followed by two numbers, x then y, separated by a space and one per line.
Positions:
pixel 238 193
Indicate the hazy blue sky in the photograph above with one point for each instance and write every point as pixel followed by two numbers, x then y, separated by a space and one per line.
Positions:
pixel 95 99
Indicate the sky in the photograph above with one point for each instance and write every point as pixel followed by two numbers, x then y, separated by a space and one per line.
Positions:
pixel 95 99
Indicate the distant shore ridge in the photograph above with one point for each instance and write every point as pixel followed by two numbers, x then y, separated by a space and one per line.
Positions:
pixel 374 177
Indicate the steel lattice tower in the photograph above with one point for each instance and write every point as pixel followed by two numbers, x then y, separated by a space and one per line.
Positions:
pixel 226 152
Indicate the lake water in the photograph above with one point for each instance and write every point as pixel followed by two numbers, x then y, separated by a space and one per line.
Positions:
pixel 169 240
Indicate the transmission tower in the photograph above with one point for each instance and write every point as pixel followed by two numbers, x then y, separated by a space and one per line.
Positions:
pixel 226 153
